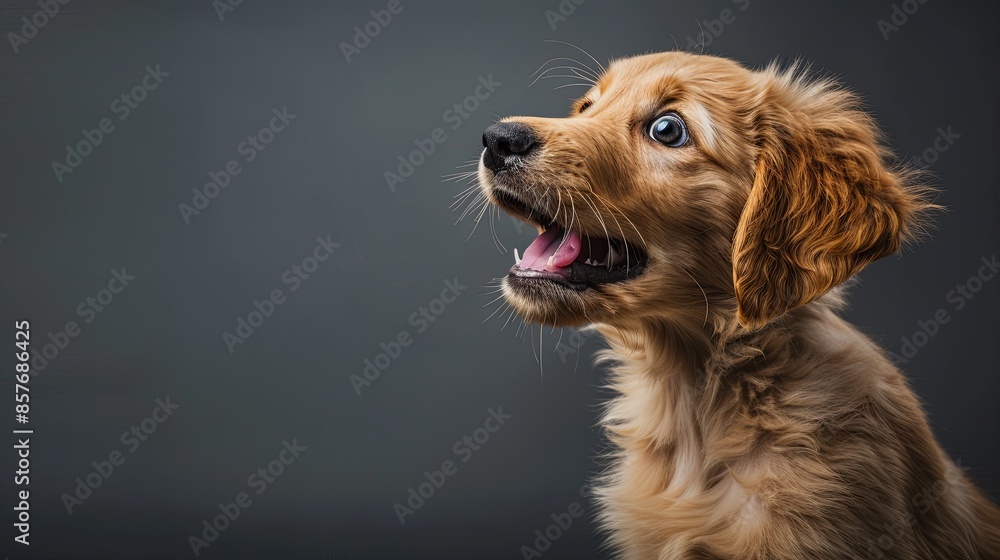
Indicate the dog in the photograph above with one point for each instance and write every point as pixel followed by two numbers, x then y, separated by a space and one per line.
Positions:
pixel 704 218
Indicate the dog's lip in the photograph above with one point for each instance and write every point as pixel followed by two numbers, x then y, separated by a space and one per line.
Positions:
pixel 578 276
pixel 522 209
pixel 573 267
pixel 527 275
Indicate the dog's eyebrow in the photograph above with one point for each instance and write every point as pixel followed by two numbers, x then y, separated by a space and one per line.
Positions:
pixel 659 104
pixel 704 124
pixel 668 90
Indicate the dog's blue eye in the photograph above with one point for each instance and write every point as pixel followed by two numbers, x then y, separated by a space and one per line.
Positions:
pixel 669 130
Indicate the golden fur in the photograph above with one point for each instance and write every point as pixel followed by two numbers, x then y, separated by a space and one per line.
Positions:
pixel 751 421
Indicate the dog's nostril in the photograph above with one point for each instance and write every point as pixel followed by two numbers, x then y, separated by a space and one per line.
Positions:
pixel 515 146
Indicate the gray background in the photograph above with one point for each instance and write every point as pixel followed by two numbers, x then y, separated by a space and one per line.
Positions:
pixel 323 176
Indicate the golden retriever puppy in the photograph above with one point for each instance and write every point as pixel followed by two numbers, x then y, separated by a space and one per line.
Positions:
pixel 703 217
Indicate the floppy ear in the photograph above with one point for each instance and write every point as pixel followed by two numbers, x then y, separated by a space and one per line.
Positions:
pixel 823 203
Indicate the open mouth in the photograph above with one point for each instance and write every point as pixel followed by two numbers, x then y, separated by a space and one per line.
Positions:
pixel 566 256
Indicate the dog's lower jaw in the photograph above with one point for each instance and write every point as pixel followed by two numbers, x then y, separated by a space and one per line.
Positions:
pixel 764 453
pixel 569 310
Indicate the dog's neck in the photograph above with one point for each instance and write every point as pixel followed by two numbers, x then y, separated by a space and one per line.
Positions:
pixel 667 346
pixel 672 381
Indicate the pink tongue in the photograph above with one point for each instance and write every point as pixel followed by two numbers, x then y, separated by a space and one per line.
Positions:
pixel 561 247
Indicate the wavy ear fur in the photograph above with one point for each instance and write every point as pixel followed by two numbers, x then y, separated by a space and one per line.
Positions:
pixel 823 203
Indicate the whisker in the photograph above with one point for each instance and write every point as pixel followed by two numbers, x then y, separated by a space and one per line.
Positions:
pixel 624 215
pixel 576 75
pixel 578 352
pixel 474 193
pixel 572 85
pixel 600 220
pixel 499 308
pixel 566 59
pixel 521 329
pixel 492 302
pixel 555 76
pixel 479 200
pixel 601 66
pixel 703 294
pixel 509 317
pixel 454 178
pixel 479 218
pixel 585 75
pixel 541 364
pixel 493 230
pixel 701 32
pixel 558 207
pixel 467 191
pixel 576 71
pixel 468 208
pixel 620 230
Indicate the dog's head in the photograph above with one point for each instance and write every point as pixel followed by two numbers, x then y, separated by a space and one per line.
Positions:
pixel 683 186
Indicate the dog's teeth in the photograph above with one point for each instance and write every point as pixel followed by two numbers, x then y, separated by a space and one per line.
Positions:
pixel 517 258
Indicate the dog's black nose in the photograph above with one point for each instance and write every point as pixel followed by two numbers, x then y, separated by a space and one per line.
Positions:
pixel 505 143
